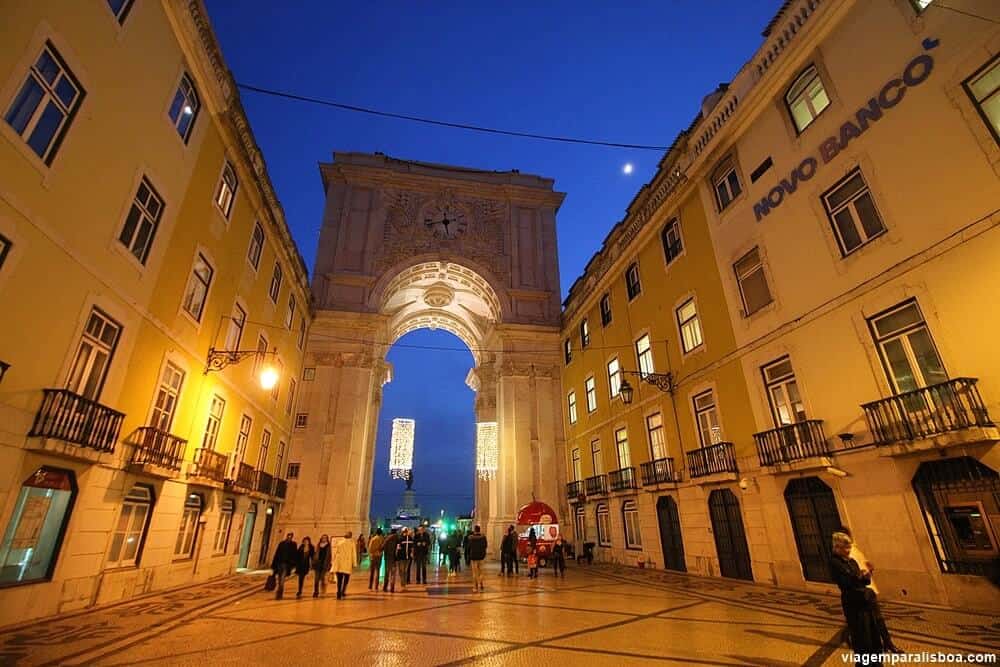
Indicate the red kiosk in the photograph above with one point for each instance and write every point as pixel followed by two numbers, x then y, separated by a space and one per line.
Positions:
pixel 542 518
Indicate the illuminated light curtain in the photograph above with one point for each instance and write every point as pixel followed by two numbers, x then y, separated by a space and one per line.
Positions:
pixel 486 450
pixel 401 452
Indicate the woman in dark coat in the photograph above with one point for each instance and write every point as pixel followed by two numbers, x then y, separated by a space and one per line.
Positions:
pixel 322 565
pixel 857 600
pixel 304 562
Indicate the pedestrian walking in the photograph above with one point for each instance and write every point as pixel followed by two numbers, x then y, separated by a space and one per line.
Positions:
pixel 866 566
pixel 283 562
pixel 508 553
pixel 559 557
pixel 345 558
pixel 375 558
pixel 322 564
pixel 404 550
pixel 856 598
pixel 389 558
pixel 532 538
pixel 532 564
pixel 361 547
pixel 465 547
pixel 442 549
pixel 517 559
pixel 476 549
pixel 421 548
pixel 304 562
pixel 454 565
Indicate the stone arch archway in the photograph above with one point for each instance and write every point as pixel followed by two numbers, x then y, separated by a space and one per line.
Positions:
pixel 388 264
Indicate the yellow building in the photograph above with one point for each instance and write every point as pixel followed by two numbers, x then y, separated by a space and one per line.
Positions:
pixel 141 246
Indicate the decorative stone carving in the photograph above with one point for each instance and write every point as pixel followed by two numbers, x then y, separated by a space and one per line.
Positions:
pixel 439 295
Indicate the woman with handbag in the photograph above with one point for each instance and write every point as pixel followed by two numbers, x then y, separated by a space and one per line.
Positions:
pixel 304 562
pixel 322 564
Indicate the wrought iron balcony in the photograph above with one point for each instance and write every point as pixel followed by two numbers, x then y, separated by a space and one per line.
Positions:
pixel 597 485
pixel 280 488
pixel 158 448
pixel 658 471
pixel 622 479
pixel 209 464
pixel 792 442
pixel 265 482
pixel 66 416
pixel 243 476
pixel 928 411
pixel 575 490
pixel 717 458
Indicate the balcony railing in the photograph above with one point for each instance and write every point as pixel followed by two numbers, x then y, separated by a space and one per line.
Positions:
pixel 280 488
pixel 67 416
pixel 713 459
pixel 243 476
pixel 597 485
pixel 158 448
pixel 265 482
pixel 209 464
pixel 622 479
pixel 792 442
pixel 921 413
pixel 575 489
pixel 658 471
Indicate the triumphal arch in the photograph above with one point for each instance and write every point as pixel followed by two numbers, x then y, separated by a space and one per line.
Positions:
pixel 408 245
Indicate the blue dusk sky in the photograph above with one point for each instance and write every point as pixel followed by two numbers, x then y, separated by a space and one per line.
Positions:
pixel 628 72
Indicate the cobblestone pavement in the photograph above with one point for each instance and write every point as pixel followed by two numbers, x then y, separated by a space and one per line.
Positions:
pixel 593 616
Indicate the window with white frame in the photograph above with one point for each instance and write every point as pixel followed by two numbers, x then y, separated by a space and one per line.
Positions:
pixel 94 355
pixel 256 246
pixel 806 98
pixel 632 283
pixel 706 417
pixel 571 401
pixel 654 431
pixel 215 411
pixel 596 459
pixel 852 212
pixel 621 448
pixel 184 107
pixel 275 287
pixel 142 221
pixel 614 377
pixel 910 358
pixel 265 444
pixel 196 292
pixel 308 374
pixel 690 326
pixel 644 355
pixel 258 360
pixel 584 333
pixel 630 517
pixel 726 183
pixel 605 310
pixel 242 438
pixel 46 104
pixel 750 277
pixel 577 469
pixel 226 192
pixel 167 395
pixel 291 397
pixel 984 89
pixel 302 332
pixel 130 531
pixel 590 387
pixel 234 333
pixel 568 350
pixel 187 532
pixel 280 461
pixel 293 470
pixel 5 245
pixel 670 238
pixel 783 392
pixel 290 315
pixel 580 524
pixel 224 526
pixel 301 420
pixel 120 8
pixel 603 526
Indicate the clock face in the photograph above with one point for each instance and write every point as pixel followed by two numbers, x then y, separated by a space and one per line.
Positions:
pixel 445 221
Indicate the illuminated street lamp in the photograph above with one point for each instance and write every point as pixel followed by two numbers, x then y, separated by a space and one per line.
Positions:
pixel 268 376
pixel 662 381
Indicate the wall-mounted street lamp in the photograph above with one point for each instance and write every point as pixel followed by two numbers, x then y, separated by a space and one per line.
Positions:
pixel 3 369
pixel 219 359
pixel 662 381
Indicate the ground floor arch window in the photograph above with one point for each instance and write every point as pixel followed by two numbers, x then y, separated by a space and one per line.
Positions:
pixel 187 532
pixel 813 512
pixel 36 527
pixel 130 531
pixel 603 526
pixel 580 524
pixel 630 517
pixel 224 526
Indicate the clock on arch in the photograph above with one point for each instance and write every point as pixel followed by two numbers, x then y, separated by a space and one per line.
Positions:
pixel 445 220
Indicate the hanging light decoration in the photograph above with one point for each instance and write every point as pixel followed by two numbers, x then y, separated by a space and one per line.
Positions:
pixel 486 450
pixel 401 451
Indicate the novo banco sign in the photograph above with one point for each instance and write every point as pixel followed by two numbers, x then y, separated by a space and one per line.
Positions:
pixel 892 93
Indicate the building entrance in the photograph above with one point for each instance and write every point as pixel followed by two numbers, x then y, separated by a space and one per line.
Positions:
pixel 730 538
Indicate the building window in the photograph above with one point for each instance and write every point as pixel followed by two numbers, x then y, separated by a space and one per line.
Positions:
pixel 224 526
pixel 215 411
pixel 632 284
pixel 621 448
pixel 614 377
pixel 571 400
pixel 280 460
pixel 187 533
pixel 852 212
pixel 196 292
pixel 908 353
pixel 5 246
pixel 258 359
pixel 44 108
pixel 184 108
pixel 142 221
pixel 302 332
pixel 277 385
pixel 603 526
pixel 584 333
pixel 690 326
pixel 290 315
pixel 293 470
pixel 167 396
pixel 726 183
pixel 275 287
pixel 590 387
pixel 752 281
pixel 265 444
pixel 670 237
pixel 309 374
pixel 605 310
pixel 35 531
pixel 301 420
pixel 706 416
pixel 595 457
pixel 806 98
pixel 237 321
pixel 226 194
pixel 291 397
pixel 130 531
pixel 242 438
pixel 120 8
pixel 568 350
pixel 984 89
pixel 580 524
pixel 577 471
pixel 921 5
pixel 94 355
pixel 630 516
pixel 644 355
pixel 654 430
pixel 783 393
pixel 256 246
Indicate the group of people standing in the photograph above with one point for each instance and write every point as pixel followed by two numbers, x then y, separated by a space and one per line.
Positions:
pixel 320 559
pixel 399 550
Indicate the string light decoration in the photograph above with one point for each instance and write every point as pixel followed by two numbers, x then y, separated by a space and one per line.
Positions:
pixel 401 451
pixel 486 450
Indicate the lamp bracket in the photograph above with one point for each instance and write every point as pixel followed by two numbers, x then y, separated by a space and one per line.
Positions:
pixel 662 381
pixel 219 359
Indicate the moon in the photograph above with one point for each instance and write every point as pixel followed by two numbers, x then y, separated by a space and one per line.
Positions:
pixel 627 169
